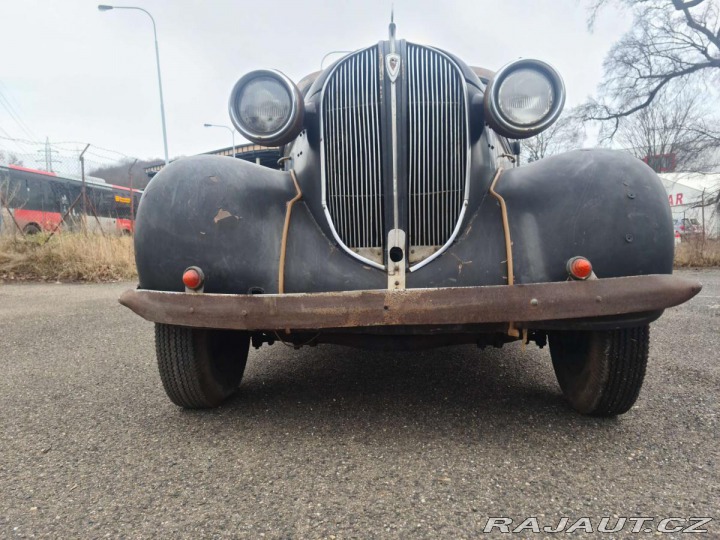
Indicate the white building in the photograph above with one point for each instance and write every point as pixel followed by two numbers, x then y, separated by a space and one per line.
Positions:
pixel 686 194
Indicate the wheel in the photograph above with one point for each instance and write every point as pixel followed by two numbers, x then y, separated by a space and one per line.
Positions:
pixel 601 372
pixel 31 229
pixel 200 368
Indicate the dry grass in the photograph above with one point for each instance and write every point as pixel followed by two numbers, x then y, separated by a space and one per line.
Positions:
pixel 696 253
pixel 67 257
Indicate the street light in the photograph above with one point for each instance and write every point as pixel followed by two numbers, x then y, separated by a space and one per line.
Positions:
pixel 232 131
pixel 103 7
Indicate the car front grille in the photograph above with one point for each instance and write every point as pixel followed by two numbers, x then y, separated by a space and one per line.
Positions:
pixel 436 132
pixel 351 132
pixel 437 160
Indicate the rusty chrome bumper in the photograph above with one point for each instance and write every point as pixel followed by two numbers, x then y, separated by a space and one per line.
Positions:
pixel 415 307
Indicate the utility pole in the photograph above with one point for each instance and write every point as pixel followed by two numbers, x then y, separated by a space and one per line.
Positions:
pixel 84 193
pixel 702 209
pixel 104 7
pixel 132 195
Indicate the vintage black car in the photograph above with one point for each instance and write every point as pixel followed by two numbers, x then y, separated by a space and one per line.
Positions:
pixel 399 217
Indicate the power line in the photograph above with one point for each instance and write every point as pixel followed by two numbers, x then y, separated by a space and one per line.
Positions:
pixel 15 116
pixel 96 147
pixel 17 139
pixel 17 144
pixel 62 146
pixel 8 97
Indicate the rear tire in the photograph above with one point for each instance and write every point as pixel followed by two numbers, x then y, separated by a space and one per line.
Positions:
pixel 200 368
pixel 31 229
pixel 601 372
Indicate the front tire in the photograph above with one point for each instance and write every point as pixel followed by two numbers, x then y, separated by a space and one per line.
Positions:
pixel 601 372
pixel 200 368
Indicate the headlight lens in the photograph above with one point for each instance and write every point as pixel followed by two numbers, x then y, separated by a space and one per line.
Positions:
pixel 264 105
pixel 266 108
pixel 526 97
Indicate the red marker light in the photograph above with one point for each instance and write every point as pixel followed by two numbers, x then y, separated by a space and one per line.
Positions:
pixel 193 278
pixel 579 268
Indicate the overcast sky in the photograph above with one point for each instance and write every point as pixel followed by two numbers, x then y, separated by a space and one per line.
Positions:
pixel 72 73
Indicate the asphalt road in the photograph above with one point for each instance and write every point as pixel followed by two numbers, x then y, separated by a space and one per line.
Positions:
pixel 334 442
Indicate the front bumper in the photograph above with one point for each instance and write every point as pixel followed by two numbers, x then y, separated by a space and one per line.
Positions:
pixel 529 306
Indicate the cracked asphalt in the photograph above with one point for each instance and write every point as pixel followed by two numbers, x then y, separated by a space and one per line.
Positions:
pixel 332 442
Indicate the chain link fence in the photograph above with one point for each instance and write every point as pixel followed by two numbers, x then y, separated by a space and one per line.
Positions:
pixel 77 205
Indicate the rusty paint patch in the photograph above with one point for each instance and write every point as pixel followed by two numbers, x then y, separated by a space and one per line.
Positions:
pixel 223 214
pixel 461 263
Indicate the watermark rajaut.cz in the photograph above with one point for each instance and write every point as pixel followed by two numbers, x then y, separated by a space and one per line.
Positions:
pixel 605 525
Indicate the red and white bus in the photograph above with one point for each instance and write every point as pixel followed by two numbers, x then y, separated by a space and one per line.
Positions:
pixel 38 200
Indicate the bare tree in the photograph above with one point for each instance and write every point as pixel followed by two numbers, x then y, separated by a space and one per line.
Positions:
pixel 118 173
pixel 671 135
pixel 566 134
pixel 670 41
pixel 10 159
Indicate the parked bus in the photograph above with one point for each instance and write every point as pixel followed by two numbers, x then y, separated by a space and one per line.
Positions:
pixel 38 200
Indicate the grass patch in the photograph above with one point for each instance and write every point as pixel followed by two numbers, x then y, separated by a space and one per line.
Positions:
pixel 697 253
pixel 67 257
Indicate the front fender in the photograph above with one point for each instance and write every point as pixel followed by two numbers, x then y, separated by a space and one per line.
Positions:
pixel 602 204
pixel 226 216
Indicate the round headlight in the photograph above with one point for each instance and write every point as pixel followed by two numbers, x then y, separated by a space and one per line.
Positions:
pixel 524 98
pixel 266 108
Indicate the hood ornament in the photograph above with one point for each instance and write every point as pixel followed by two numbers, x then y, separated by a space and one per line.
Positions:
pixel 392 60
pixel 392 63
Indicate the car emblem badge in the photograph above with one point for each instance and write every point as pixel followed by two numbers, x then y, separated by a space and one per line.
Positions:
pixel 392 61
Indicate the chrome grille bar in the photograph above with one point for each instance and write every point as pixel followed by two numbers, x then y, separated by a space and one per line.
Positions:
pixel 352 181
pixel 438 135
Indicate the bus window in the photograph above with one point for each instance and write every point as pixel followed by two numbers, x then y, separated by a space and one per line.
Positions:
pixel 49 204
pixel 61 197
pixel 34 194
pixel 17 193
pixel 74 193
pixel 98 199
pixel 4 185
pixel 122 204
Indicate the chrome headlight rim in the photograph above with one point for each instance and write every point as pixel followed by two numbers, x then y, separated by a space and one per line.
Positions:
pixel 290 128
pixel 499 121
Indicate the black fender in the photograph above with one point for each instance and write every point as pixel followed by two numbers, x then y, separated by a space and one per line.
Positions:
pixel 605 205
pixel 226 216
pixel 601 204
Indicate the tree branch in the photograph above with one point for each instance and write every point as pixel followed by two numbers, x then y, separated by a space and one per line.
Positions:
pixel 692 23
pixel 680 5
pixel 654 92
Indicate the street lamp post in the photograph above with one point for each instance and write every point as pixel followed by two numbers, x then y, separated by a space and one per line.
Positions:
pixel 232 132
pixel 103 7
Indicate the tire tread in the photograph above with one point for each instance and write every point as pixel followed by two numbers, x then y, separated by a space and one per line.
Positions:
pixel 627 358
pixel 179 361
pixel 173 348
pixel 601 372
